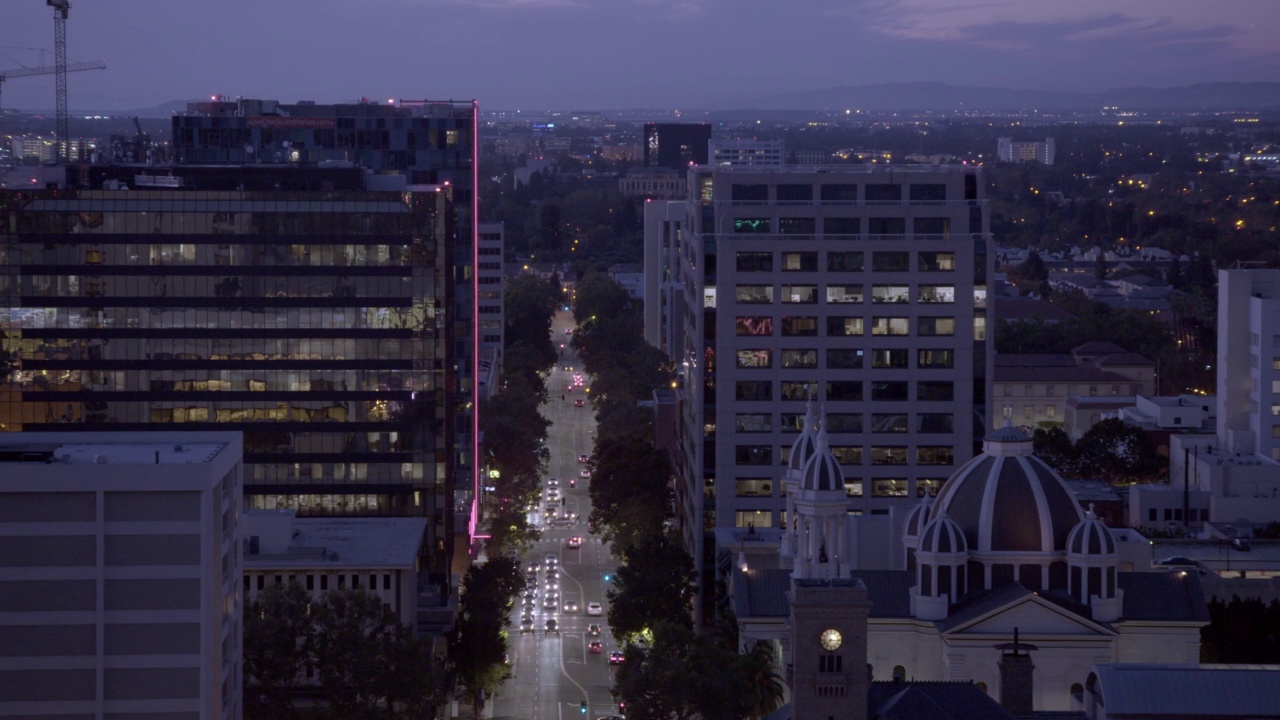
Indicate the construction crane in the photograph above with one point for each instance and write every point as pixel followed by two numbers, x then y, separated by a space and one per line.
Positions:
pixel 60 10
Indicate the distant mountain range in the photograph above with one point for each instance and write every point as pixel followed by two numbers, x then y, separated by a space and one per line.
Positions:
pixel 943 97
pixel 939 96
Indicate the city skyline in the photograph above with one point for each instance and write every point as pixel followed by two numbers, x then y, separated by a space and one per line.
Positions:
pixel 635 53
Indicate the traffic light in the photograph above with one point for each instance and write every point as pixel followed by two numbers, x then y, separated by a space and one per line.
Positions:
pixel 582 707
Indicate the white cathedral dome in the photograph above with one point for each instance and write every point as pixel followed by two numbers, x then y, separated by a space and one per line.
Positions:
pixel 821 471
pixel 1006 500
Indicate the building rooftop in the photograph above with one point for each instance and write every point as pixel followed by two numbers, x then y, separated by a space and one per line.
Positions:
pixel 1220 691
pixel 343 543
pixel 107 453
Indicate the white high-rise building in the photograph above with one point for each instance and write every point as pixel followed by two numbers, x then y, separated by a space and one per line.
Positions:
pixel 863 285
pixel 120 575
pixel 747 152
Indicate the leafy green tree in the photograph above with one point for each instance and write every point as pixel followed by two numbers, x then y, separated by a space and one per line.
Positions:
pixel 478 645
pixel 1117 452
pixel 277 629
pixel 654 585
pixel 1033 268
pixel 1241 631
pixel 630 492
pixel 1173 275
pixel 414 682
pixel 1054 446
pixel 353 637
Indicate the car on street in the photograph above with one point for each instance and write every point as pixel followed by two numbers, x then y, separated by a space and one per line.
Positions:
pixel 553 495
pixel 595 608
pixel 552 626
pixel 595 647
pixel 552 572
pixel 553 560
pixel 593 630
pixel 583 458
pixel 617 658
pixel 529 605
pixel 526 626
pixel 553 482
pixel 574 542
pixel 553 585
pixel 573 483
pixel 578 403
pixel 584 473
pixel 531 566
pixel 551 510
pixel 549 602
pixel 554 597
pixel 571 606
pixel 530 593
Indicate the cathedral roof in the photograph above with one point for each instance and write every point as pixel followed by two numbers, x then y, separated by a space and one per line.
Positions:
pixel 1008 500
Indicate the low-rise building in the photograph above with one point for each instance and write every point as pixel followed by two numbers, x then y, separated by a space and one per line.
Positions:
pixel 379 555
pixel 1035 387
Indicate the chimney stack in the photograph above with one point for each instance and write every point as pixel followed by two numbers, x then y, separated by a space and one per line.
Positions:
pixel 1017 683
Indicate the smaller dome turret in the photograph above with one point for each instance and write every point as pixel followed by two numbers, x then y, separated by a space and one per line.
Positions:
pixel 941 536
pixel 822 471
pixel 941 560
pixel 1092 562
pixel 1090 537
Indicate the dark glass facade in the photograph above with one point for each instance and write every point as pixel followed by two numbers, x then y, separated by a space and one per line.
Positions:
pixel 676 145
pixel 317 322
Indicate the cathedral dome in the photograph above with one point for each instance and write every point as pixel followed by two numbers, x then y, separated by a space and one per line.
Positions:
pixel 822 471
pixel 941 536
pixel 1007 500
pixel 807 444
pixel 1090 538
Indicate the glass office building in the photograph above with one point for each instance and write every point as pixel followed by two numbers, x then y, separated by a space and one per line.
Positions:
pixel 312 314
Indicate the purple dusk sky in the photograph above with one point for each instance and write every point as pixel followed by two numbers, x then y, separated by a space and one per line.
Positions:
pixel 598 54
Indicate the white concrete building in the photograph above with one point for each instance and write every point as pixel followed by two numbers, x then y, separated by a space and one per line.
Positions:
pixel 1232 475
pixel 120 575
pixel 379 555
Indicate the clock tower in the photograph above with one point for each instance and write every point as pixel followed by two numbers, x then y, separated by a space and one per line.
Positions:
pixel 828 670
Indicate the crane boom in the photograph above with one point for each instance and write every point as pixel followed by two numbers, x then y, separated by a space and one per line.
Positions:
pixel 47 70
pixel 50 69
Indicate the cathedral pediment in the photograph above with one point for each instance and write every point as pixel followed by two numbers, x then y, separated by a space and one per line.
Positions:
pixel 1033 614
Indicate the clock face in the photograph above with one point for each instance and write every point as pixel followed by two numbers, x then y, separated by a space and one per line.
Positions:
pixel 831 639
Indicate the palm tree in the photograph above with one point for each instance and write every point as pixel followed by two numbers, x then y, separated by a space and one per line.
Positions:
pixel 766 687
